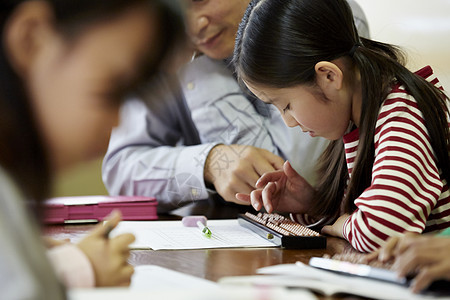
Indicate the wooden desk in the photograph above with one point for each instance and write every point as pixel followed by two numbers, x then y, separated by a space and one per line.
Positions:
pixel 212 264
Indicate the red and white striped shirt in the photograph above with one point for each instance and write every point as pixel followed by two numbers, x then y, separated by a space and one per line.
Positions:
pixel 407 192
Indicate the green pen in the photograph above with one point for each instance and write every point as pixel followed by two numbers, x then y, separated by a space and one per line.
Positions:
pixel 205 230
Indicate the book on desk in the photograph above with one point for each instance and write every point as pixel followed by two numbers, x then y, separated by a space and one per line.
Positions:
pixel 84 209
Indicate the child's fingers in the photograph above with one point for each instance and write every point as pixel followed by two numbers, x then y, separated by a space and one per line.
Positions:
pixel 255 199
pixel 328 230
pixel 109 223
pixel 125 273
pixel 269 177
pixel 289 170
pixel 124 239
pixel 51 242
pixel 121 244
pixel 267 194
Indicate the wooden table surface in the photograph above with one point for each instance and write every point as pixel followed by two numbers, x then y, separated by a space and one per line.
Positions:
pixel 212 264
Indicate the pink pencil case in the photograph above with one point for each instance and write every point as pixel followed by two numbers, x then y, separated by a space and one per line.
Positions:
pixel 82 209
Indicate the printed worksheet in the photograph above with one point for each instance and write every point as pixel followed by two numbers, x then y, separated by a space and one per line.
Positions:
pixel 172 235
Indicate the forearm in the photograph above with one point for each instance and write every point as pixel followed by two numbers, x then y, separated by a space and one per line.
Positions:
pixel 72 266
pixel 174 175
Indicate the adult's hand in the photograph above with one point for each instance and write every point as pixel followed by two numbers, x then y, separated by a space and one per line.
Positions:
pixel 235 169
pixel 423 255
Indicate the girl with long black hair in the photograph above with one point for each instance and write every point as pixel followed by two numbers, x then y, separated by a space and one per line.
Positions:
pixel 387 166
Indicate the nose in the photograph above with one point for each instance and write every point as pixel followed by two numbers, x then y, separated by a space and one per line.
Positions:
pixel 197 23
pixel 289 120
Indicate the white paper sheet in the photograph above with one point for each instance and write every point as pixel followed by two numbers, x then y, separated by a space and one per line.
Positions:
pixel 172 235
pixel 328 283
pixel 154 282
pixel 151 277
pixel 222 293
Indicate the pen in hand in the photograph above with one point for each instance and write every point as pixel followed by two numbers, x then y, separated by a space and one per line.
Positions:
pixel 107 230
pixel 110 223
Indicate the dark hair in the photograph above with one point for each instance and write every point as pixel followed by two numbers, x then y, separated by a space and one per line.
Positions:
pixel 278 45
pixel 22 152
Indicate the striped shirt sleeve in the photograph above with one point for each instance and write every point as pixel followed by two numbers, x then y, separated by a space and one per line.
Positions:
pixel 405 178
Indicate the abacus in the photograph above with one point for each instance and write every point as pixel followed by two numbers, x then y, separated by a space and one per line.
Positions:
pixel 282 232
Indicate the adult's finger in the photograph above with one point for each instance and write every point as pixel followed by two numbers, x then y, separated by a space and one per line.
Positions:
pixel 371 256
pixel 427 275
pixel 406 242
pixel 267 162
pixel 413 260
pixel 235 186
pixel 387 251
pixel 275 160
pixel 243 197
pixel 248 175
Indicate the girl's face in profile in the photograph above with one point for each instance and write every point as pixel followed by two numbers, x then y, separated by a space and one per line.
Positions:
pixel 307 108
pixel 76 85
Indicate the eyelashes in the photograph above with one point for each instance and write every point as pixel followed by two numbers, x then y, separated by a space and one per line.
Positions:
pixel 286 108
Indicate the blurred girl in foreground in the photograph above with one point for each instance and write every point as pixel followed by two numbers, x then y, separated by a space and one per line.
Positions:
pixel 65 67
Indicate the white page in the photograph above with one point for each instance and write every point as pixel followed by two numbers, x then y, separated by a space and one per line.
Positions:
pixel 172 235
pixel 222 293
pixel 154 282
pixel 151 277
pixel 328 283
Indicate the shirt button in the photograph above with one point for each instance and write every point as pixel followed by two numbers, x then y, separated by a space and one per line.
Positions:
pixel 190 86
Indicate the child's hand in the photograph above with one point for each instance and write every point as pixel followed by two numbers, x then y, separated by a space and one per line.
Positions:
pixel 109 256
pixel 282 190
pixel 337 228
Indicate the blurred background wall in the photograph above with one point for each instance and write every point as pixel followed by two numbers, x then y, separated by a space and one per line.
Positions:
pixel 84 179
pixel 421 27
